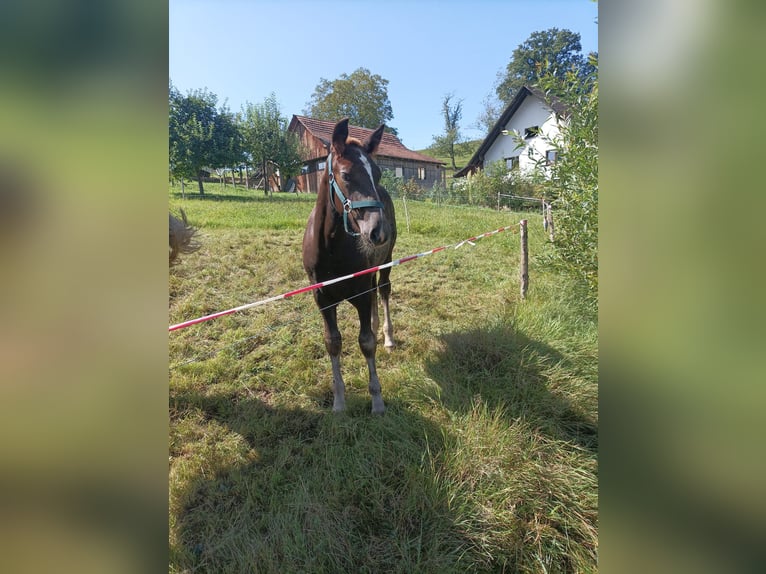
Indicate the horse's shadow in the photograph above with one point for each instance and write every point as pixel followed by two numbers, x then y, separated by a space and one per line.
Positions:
pixel 523 377
pixel 379 505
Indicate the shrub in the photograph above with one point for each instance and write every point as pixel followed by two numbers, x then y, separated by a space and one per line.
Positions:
pixel 489 186
pixel 392 183
pixel 573 186
pixel 411 190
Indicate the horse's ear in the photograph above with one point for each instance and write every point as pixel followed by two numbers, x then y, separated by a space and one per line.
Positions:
pixel 372 144
pixel 339 136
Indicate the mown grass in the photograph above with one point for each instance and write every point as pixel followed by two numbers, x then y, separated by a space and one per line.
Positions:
pixel 486 459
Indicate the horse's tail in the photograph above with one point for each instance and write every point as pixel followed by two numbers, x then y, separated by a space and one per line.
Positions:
pixel 181 237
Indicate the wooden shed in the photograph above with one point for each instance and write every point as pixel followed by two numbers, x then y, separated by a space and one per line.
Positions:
pixel 316 135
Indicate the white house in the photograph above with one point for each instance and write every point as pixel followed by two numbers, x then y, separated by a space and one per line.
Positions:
pixel 522 135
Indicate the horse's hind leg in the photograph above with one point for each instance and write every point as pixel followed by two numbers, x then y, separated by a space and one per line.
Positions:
pixel 368 345
pixel 384 288
pixel 333 343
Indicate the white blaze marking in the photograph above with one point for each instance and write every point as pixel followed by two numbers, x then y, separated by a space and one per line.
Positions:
pixel 368 167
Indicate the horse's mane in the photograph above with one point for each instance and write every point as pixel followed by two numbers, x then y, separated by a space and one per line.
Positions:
pixel 353 141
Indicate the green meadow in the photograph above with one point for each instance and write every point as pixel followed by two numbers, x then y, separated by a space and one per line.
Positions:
pixel 486 459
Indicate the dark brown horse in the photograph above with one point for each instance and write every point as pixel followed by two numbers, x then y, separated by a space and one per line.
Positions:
pixel 352 227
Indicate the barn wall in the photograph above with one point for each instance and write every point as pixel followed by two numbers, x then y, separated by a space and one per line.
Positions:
pixel 313 147
pixel 410 169
pixel 315 154
pixel 308 181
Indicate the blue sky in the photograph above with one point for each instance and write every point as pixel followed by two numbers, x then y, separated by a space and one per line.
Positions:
pixel 244 50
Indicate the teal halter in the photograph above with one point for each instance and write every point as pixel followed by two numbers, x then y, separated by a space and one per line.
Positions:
pixel 348 205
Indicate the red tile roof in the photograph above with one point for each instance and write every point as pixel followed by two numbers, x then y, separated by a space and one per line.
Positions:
pixel 390 146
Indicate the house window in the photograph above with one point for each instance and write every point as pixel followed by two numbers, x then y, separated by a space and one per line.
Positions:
pixel 531 132
pixel 512 162
pixel 550 156
pixel 421 173
pixel 304 169
pixel 321 165
pixel 398 172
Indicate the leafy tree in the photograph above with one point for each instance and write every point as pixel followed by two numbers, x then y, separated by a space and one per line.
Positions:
pixel 266 138
pixel 446 143
pixel 361 97
pixel 492 108
pixel 200 135
pixel 553 52
pixel 228 143
pixel 573 185
pixel 589 72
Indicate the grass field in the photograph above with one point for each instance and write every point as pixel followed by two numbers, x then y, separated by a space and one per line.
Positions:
pixel 486 458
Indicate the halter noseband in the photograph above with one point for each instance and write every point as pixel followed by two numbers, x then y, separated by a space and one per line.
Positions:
pixel 348 205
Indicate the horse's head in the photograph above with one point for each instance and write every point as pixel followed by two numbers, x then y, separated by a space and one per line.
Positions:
pixel 353 180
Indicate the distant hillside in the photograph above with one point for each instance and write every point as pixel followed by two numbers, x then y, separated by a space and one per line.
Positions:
pixel 461 159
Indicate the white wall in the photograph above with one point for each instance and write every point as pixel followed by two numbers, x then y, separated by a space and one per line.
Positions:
pixel 531 112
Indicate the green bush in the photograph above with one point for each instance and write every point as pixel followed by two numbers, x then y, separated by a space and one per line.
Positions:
pixel 392 183
pixel 411 190
pixel 398 188
pixel 492 186
pixel 573 186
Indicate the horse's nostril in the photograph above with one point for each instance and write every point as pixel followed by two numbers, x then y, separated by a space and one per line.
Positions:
pixel 377 236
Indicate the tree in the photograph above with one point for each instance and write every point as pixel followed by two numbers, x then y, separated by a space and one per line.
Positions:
pixel 200 135
pixel 573 185
pixel 228 143
pixel 266 138
pixel 446 143
pixel 554 52
pixel 488 117
pixel 361 97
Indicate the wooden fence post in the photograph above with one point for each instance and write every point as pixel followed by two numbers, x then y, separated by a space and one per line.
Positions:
pixel 406 213
pixel 524 264
pixel 549 219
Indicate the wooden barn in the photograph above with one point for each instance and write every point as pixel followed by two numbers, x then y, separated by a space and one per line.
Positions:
pixel 315 135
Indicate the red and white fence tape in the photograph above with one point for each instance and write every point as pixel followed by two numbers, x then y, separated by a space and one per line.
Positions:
pixel 470 241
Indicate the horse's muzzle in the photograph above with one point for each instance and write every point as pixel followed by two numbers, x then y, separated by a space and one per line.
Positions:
pixel 374 228
pixel 379 234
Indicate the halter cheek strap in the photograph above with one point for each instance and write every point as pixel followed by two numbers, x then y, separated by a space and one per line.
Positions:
pixel 348 205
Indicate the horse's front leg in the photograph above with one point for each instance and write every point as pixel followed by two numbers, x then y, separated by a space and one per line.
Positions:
pixel 333 343
pixel 384 287
pixel 368 344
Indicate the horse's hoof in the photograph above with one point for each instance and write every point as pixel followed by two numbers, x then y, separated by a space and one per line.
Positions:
pixel 337 409
pixel 378 407
pixel 389 347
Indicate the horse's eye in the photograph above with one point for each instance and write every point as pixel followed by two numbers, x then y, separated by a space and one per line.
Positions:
pixel 345 176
